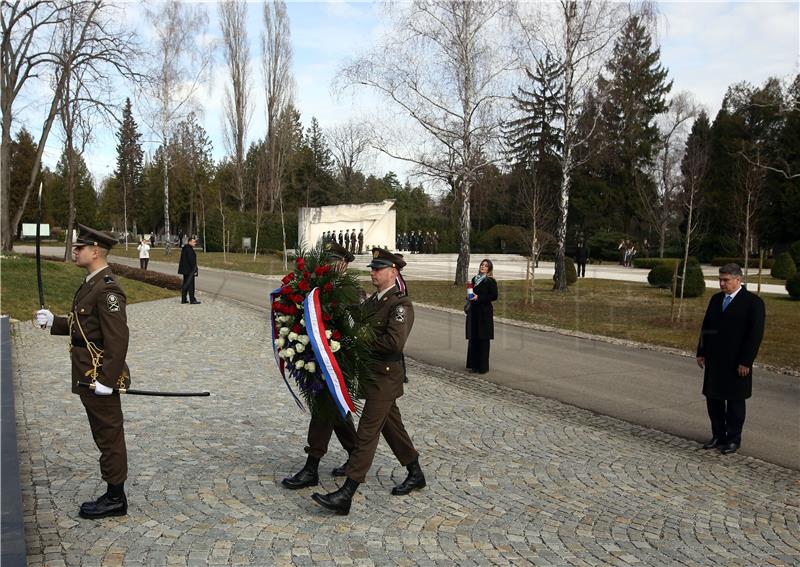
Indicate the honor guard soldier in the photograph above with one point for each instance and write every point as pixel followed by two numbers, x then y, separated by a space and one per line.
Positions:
pixel 394 316
pixel 360 240
pixel 98 331
pixel 319 430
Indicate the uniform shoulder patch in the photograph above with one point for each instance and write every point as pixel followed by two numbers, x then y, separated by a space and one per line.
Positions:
pixel 109 279
pixel 400 313
pixel 112 302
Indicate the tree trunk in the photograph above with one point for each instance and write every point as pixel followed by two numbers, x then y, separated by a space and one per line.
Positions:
pixel 165 173
pixel 560 278
pixel 686 251
pixel 5 180
pixel 462 264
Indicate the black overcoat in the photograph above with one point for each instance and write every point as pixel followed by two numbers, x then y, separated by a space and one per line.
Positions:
pixel 727 339
pixel 188 262
pixel 480 315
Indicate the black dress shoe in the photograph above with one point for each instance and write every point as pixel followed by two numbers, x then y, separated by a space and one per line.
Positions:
pixel 340 500
pixel 194 302
pixel 415 480
pixel 729 448
pixel 303 478
pixel 184 301
pixel 340 470
pixel 712 443
pixel 104 506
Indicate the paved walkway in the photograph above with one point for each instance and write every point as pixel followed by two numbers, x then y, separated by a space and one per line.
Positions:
pixel 513 479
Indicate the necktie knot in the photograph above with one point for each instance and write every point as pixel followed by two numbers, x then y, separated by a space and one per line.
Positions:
pixel 726 302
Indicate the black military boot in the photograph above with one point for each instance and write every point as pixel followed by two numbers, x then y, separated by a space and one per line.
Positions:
pixel 112 503
pixel 307 476
pixel 413 481
pixel 341 470
pixel 340 500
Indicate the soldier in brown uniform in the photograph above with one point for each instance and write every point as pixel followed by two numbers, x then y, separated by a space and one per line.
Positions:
pixel 98 331
pixel 394 316
pixel 319 430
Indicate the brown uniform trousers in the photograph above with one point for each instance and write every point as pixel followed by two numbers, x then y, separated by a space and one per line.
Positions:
pixel 319 436
pixel 394 315
pixel 98 324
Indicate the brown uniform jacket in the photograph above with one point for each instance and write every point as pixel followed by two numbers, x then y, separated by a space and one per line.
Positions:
pixel 98 310
pixel 394 317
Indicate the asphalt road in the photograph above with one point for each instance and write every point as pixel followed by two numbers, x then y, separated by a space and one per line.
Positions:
pixel 649 388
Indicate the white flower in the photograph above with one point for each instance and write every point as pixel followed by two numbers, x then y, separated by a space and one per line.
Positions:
pixel 327 334
pixel 283 331
pixel 299 364
pixel 279 342
pixel 311 367
pixel 303 322
pixel 299 347
pixel 292 336
pixel 289 353
pixel 304 339
pixel 335 345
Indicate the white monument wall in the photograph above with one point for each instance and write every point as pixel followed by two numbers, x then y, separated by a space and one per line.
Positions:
pixel 378 220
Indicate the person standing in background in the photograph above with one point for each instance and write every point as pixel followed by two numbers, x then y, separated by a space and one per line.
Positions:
pixel 188 269
pixel 581 257
pixel 480 318
pixel 144 254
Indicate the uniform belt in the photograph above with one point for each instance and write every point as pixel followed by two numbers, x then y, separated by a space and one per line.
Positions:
pixel 78 342
pixel 391 358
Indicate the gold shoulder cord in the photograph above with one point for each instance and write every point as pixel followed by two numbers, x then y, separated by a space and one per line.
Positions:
pixel 94 352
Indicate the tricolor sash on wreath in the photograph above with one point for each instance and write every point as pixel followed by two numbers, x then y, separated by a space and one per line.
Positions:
pixel 278 360
pixel 315 327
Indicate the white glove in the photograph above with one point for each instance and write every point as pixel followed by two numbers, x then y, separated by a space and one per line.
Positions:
pixel 102 390
pixel 44 317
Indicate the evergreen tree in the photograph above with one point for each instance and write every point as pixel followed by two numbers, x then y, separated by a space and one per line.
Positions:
pixel 315 140
pixel 128 173
pixel 85 195
pixel 22 155
pixel 636 94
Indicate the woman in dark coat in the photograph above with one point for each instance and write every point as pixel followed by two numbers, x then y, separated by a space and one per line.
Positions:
pixel 480 318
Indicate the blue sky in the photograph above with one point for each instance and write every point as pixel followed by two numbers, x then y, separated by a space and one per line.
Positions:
pixel 705 45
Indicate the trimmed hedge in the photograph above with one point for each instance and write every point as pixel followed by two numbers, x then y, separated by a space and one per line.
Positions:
pixel 793 286
pixel 722 260
pixel 569 270
pixel 503 238
pixel 794 250
pixel 157 279
pixel 695 285
pixel 650 263
pixel 784 267
pixel 661 276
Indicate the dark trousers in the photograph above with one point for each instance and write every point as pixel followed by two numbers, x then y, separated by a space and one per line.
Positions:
pixel 379 417
pixel 187 287
pixel 478 354
pixel 727 419
pixel 106 421
pixel 581 268
pixel 143 263
pixel 319 435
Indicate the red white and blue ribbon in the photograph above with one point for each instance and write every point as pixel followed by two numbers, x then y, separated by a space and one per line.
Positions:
pixel 273 296
pixel 322 351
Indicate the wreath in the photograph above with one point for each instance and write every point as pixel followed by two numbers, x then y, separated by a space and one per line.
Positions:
pixel 320 335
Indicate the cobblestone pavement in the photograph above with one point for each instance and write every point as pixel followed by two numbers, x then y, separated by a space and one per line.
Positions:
pixel 512 479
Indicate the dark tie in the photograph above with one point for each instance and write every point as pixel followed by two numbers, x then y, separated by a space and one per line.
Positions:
pixel 726 302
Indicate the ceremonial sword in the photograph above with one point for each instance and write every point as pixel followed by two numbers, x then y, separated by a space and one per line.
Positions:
pixel 39 250
pixel 149 393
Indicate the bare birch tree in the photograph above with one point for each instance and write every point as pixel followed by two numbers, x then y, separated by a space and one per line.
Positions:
pixel 238 109
pixel 750 182
pixel 349 144
pixel 578 35
pixel 441 67
pixel 47 41
pixel 180 62
pixel 665 172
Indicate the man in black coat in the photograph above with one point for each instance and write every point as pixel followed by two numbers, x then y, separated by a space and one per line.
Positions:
pixel 581 257
pixel 729 340
pixel 188 268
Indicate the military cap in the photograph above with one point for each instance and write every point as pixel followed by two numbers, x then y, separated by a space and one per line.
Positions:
pixel 337 252
pixel 384 259
pixel 91 237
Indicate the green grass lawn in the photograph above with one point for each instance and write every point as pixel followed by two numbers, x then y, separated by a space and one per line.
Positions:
pixel 625 310
pixel 20 298
pixel 265 264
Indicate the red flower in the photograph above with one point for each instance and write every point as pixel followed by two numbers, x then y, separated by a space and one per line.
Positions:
pixel 319 271
pixel 336 335
pixel 303 286
pixel 297 298
pixel 292 309
pixel 286 290
pixel 328 287
pixel 326 317
pixel 296 328
pixel 301 264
